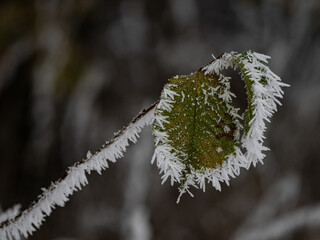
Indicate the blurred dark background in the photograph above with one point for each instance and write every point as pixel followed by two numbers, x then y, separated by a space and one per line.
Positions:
pixel 74 72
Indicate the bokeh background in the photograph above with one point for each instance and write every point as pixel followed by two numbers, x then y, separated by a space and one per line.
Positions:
pixel 74 72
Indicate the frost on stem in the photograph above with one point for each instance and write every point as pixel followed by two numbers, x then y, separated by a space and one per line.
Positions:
pixel 197 130
pixel 14 224
pixel 10 213
pixel 198 135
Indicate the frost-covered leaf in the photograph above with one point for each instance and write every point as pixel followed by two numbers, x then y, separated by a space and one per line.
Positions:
pixel 197 130
pixel 199 122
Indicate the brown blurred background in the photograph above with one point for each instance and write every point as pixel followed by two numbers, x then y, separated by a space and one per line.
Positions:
pixel 74 72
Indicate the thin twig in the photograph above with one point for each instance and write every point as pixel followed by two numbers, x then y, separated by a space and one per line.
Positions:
pixel 77 165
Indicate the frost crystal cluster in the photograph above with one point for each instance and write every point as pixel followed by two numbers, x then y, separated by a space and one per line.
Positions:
pixel 199 135
pixel 13 223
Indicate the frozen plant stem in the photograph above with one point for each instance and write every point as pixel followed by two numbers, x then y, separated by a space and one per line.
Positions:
pixel 198 135
pixel 57 194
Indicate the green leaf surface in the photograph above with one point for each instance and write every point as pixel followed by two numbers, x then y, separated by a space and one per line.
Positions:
pixel 199 124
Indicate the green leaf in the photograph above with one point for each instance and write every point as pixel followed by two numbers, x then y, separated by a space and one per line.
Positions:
pixel 200 127
pixel 197 130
